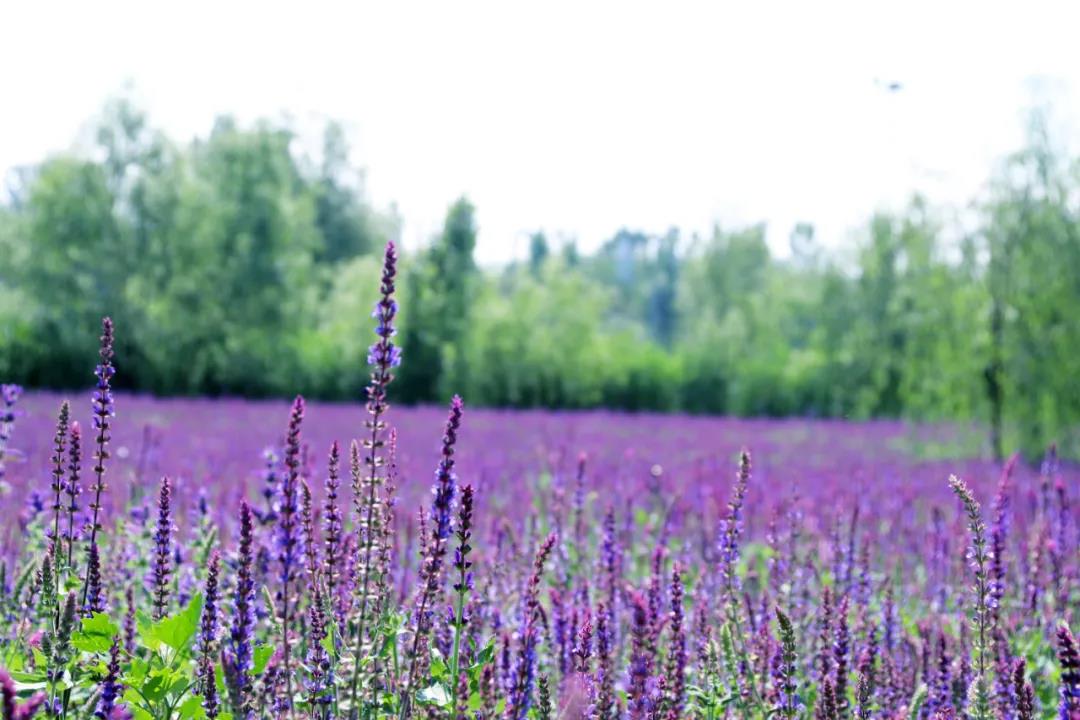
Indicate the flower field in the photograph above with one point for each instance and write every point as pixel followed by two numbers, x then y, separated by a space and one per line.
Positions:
pixel 265 559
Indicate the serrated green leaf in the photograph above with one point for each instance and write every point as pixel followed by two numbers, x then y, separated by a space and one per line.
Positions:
pixel 96 634
pixel 176 631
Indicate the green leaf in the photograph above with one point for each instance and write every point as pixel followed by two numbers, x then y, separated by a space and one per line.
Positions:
pixel 260 658
pixel 486 655
pixel 436 694
pixel 134 702
pixel 155 686
pixel 96 635
pixel 192 708
pixel 439 669
pixel 177 630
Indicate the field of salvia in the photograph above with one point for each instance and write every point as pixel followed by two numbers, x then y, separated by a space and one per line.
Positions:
pixel 186 559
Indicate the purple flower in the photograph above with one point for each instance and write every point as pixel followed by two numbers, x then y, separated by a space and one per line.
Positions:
pixel 103 412
pixel 605 680
pixel 732 527
pixel 524 674
pixel 9 395
pixel 841 652
pixel 270 489
pixel 8 696
pixel 640 660
pixel 72 488
pixel 1069 658
pixel 289 540
pixel 1025 693
pixel 383 354
pixel 110 686
pixel 162 561
pixel 332 532
pixel 236 657
pixel 998 537
pixel 676 660
pixel 58 458
pixel 208 622
pixel 320 680
pixel 95 600
pixel 784 669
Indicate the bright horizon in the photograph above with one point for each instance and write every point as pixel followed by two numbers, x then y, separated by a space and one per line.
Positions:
pixel 579 120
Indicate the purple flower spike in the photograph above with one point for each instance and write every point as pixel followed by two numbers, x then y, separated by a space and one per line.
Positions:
pixel 162 561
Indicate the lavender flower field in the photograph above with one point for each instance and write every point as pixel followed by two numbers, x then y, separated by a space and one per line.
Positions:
pixel 238 559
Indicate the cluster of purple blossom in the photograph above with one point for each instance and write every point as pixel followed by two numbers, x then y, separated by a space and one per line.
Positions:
pixel 600 601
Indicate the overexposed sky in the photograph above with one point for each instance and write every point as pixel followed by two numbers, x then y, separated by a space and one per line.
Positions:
pixel 576 117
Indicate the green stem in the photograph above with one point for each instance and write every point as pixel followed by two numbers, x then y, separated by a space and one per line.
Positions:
pixel 459 625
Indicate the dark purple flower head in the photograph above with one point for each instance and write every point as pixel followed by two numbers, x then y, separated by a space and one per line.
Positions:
pixel 162 561
pixel 102 403
pixel 605 680
pixel 103 412
pixel 59 456
pixel 237 655
pixel 289 537
pixel 677 658
pixel 208 625
pixel 95 599
pixel 332 532
pixel 1069 659
pixel 640 660
pixel 464 533
pixel 445 478
pixel 72 486
pixel 583 645
pixel 841 655
pixel 289 540
pixel 110 686
pixel 320 680
pixel 383 354
pixel 999 536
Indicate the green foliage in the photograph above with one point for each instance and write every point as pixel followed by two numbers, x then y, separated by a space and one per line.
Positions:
pixel 236 264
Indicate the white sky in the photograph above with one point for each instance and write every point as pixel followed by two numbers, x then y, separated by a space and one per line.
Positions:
pixel 576 117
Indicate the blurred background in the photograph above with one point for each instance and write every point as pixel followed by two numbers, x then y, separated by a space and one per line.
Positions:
pixel 846 210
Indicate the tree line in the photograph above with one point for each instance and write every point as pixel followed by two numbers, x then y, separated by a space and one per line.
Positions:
pixel 241 264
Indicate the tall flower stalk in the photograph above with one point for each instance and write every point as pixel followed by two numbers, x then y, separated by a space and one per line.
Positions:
pixel 521 687
pixel 382 357
pixel 103 410
pixel 435 550
pixel 787 690
pixel 72 489
pixel 237 658
pixel 463 585
pixel 58 458
pixel 289 540
pixel 162 561
pixel 977 555
pixel 208 640
pixel 332 533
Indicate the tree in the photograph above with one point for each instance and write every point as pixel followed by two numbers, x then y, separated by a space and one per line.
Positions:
pixel 439 283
